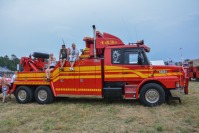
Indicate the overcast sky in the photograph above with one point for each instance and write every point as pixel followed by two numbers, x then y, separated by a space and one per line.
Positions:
pixel 28 26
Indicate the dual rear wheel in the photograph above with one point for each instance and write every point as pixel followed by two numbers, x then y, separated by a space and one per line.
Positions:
pixel 42 94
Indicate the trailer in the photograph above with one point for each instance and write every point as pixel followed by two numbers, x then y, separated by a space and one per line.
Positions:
pixel 107 68
pixel 194 69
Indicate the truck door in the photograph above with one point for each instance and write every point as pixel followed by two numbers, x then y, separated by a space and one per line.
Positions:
pixel 135 65
pixel 69 80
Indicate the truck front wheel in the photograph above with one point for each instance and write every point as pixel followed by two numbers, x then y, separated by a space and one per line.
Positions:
pixel 43 95
pixel 152 95
pixel 24 94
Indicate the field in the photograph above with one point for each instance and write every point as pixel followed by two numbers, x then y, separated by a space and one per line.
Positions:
pixel 97 115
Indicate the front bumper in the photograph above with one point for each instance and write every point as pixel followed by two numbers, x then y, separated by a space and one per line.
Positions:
pixel 186 90
pixel 178 92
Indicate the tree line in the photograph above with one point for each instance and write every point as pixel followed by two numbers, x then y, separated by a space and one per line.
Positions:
pixel 9 62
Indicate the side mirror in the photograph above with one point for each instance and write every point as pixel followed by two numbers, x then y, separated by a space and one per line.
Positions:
pixel 140 59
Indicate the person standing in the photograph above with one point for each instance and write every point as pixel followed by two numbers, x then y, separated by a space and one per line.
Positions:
pixel 63 56
pixel 14 76
pixel 73 56
pixel 51 66
pixel 4 84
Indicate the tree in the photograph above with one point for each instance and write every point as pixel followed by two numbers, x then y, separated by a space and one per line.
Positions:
pixel 10 63
pixel 14 58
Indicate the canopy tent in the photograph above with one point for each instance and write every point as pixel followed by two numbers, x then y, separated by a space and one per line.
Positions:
pixel 5 70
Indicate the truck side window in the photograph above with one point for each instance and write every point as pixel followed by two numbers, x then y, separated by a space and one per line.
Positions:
pixel 116 56
pixel 133 57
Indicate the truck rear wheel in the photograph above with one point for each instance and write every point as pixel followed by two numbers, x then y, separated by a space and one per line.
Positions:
pixel 24 94
pixel 44 95
pixel 152 95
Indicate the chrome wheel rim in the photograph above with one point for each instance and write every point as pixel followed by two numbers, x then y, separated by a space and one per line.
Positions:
pixel 22 95
pixel 42 95
pixel 152 96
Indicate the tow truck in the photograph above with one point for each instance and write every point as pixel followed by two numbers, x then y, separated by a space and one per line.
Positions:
pixel 107 68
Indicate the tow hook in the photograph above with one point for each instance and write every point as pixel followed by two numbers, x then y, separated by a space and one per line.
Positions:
pixel 175 98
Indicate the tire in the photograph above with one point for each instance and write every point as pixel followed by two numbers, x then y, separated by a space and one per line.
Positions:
pixel 152 94
pixel 44 95
pixel 40 55
pixel 24 94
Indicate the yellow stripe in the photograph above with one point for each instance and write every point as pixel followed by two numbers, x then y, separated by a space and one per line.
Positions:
pixel 54 80
pixel 31 75
pixel 76 72
pixel 114 67
pixel 84 68
pixel 56 71
pixel 123 70
pixel 85 56
pixel 121 76
pixel 159 75
pixel 32 83
pixel 77 77
pixel 136 71
pixel 117 71
pixel 126 70
pixel 165 74
pixel 80 89
pixel 30 78
pixel 89 68
pixel 127 75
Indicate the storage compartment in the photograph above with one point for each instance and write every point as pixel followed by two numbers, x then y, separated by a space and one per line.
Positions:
pixel 112 93
pixel 130 91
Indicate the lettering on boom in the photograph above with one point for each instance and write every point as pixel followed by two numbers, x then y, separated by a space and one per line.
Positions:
pixel 110 42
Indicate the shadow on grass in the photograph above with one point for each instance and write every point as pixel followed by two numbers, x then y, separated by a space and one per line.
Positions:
pixel 194 81
pixel 96 101
pixel 92 101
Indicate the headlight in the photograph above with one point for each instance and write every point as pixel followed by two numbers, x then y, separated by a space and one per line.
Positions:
pixel 177 84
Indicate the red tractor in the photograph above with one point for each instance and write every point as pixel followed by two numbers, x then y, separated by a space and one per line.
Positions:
pixel 107 68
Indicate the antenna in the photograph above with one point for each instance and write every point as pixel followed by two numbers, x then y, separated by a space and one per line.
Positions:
pixel 126 27
pixel 136 32
pixel 63 41
pixel 181 56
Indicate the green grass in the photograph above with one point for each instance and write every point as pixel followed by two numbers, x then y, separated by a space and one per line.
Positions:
pixel 97 115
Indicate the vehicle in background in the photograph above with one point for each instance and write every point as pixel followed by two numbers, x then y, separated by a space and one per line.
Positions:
pixel 194 69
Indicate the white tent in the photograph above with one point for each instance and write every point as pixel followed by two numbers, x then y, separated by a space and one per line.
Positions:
pixel 4 70
pixel 158 62
pixel 194 62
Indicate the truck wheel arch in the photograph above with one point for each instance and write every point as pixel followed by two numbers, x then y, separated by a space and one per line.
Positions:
pixel 147 82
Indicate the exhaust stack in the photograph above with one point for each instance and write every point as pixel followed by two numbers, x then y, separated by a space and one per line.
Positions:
pixel 94 36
